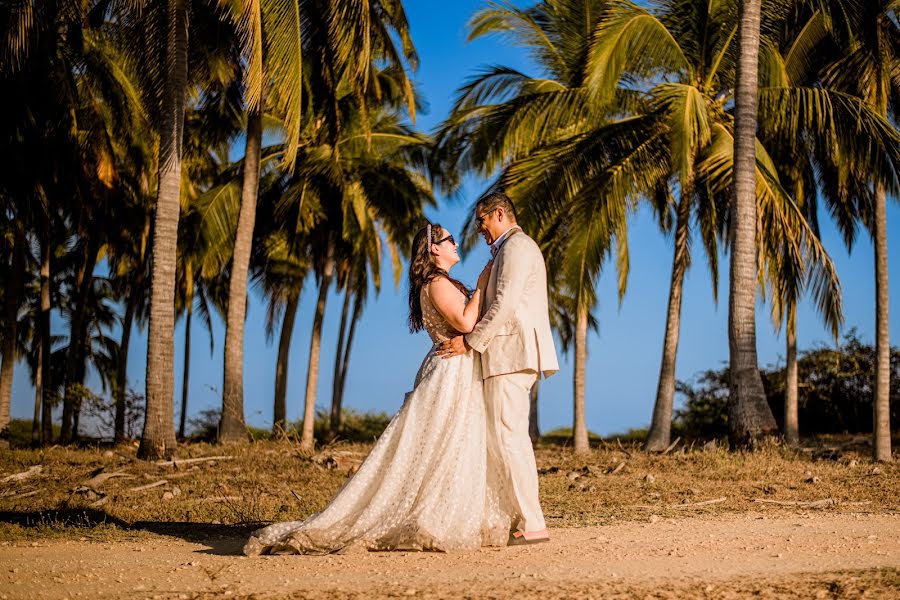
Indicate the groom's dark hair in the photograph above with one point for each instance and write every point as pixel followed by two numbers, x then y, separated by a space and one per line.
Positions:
pixel 493 201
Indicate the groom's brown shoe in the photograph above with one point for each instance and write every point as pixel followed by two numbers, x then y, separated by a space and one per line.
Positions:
pixel 526 538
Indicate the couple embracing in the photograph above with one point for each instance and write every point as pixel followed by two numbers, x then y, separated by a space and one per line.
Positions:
pixel 454 470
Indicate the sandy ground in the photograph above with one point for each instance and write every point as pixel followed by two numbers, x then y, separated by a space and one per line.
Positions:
pixel 812 555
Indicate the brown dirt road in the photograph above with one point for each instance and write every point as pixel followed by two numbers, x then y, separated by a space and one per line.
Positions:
pixel 771 554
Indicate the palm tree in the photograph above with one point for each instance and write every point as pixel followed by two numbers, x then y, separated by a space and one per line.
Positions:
pixel 12 293
pixel 158 437
pixel 281 273
pixel 99 349
pixel 47 393
pixel 375 180
pixel 192 292
pixel 202 272
pixel 129 265
pixel 353 275
pixel 792 55
pixel 689 46
pixel 74 93
pixel 571 324
pixel 683 130
pixel 342 363
pixel 501 117
pixel 325 273
pixel 868 68
pixel 87 254
pixel 279 419
pixel 232 427
pixel 31 342
pixel 826 140
pixel 171 82
pixel 749 416
pixel 694 43
pixel 369 177
pixel 348 37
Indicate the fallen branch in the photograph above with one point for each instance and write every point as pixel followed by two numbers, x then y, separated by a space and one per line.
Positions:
pixel 216 499
pixel 101 477
pixel 141 488
pixel 814 503
pixel 31 472
pixel 618 468
pixel 697 504
pixel 622 448
pixel 297 496
pixel 187 461
pixel 23 495
pixel 672 445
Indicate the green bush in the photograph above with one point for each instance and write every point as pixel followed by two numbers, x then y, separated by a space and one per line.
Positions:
pixel 355 426
pixel 834 393
pixel 20 433
pixel 563 435
pixel 704 414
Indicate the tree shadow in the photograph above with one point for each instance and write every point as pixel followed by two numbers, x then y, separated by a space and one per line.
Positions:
pixel 223 540
pixel 65 517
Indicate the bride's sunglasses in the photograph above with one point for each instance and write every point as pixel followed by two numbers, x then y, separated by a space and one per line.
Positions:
pixel 448 238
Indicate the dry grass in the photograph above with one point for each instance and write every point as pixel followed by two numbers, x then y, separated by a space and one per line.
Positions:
pixel 269 481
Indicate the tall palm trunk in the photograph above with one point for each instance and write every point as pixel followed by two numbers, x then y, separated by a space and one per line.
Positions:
pixel 186 375
pixel 791 419
pixel 46 381
pixel 881 407
pixel 749 416
pixel 533 431
pixel 338 365
pixel 13 289
pixel 158 439
pixel 307 442
pixel 345 361
pixel 122 370
pixel 77 345
pixel 579 427
pixel 658 437
pixel 281 369
pixel 233 427
pixel 36 420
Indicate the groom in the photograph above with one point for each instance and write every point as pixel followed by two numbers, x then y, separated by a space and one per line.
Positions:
pixel 516 346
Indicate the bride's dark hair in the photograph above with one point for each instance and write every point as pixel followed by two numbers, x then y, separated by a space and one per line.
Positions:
pixel 423 270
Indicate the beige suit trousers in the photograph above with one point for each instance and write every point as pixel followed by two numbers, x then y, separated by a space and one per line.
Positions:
pixel 510 455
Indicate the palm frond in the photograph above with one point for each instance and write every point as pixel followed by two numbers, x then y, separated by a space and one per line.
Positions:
pixel 631 41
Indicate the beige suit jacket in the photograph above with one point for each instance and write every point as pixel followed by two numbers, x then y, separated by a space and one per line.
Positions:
pixel 514 332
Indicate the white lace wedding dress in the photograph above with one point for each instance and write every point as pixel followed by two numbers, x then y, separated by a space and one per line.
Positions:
pixel 424 485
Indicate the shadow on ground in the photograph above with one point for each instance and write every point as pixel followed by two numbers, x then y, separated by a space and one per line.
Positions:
pixel 221 539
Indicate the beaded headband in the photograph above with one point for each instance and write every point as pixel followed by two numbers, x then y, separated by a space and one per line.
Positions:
pixel 428 233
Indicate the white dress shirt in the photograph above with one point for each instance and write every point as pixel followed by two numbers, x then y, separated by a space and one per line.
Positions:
pixel 495 246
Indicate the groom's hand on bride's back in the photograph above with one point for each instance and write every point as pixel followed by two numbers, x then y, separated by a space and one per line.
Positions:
pixel 453 347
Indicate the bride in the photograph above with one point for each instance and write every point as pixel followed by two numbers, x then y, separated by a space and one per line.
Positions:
pixel 424 485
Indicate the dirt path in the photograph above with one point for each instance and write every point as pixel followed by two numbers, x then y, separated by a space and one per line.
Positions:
pixel 804 555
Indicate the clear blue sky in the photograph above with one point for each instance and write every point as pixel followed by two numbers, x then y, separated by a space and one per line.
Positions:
pixel 624 357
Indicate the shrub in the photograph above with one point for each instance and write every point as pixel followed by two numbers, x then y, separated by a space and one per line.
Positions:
pixel 356 426
pixel 834 393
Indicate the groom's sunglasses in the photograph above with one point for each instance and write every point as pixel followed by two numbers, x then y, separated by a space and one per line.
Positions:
pixel 449 237
pixel 479 221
